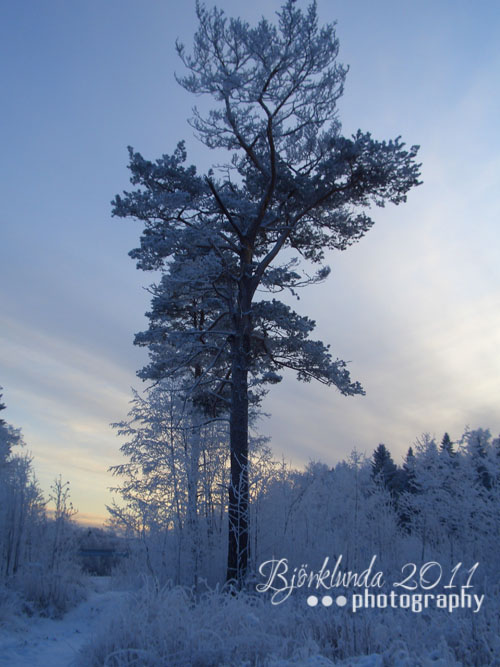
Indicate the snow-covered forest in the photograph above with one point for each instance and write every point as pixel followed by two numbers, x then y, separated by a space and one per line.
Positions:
pixel 38 568
pixel 216 551
pixel 439 509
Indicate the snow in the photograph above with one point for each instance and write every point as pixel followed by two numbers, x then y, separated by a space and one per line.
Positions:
pixel 56 642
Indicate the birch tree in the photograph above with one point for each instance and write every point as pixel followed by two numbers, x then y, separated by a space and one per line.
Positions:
pixel 291 189
pixel 171 480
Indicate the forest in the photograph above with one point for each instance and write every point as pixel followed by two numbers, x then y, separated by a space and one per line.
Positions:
pixel 438 510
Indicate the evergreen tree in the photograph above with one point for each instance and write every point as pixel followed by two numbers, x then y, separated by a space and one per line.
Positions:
pixel 409 485
pixel 478 446
pixel 447 445
pixel 409 475
pixel 384 468
pixel 291 182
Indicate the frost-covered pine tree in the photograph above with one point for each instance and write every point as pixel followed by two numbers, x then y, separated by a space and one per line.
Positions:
pixel 292 188
pixel 447 445
pixel 385 470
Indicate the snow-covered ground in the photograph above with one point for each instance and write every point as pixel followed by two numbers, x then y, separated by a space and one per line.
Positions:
pixel 47 642
pixel 44 642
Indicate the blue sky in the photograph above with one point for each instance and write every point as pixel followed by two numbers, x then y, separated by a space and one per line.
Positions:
pixel 415 305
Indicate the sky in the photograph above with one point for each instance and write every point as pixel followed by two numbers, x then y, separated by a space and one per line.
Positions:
pixel 415 306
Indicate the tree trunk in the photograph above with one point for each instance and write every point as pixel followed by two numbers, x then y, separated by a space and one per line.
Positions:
pixel 193 471
pixel 237 560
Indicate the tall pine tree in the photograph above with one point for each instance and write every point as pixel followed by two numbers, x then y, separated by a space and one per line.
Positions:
pixel 292 182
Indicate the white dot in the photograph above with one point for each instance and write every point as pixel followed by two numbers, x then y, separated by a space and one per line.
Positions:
pixel 312 600
pixel 341 600
pixel 327 600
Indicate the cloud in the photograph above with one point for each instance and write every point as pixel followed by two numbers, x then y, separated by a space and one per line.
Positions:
pixel 64 397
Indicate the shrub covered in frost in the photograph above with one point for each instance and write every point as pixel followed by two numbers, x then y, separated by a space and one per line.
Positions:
pixel 170 626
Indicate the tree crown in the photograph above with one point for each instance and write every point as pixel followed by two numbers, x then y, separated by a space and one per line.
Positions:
pixel 291 181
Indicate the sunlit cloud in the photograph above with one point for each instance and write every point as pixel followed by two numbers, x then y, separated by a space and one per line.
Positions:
pixel 68 397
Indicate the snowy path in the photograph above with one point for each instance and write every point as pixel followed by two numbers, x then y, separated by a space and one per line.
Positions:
pixel 45 642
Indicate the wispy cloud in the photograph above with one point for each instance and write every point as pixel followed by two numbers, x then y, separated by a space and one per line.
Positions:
pixel 64 397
